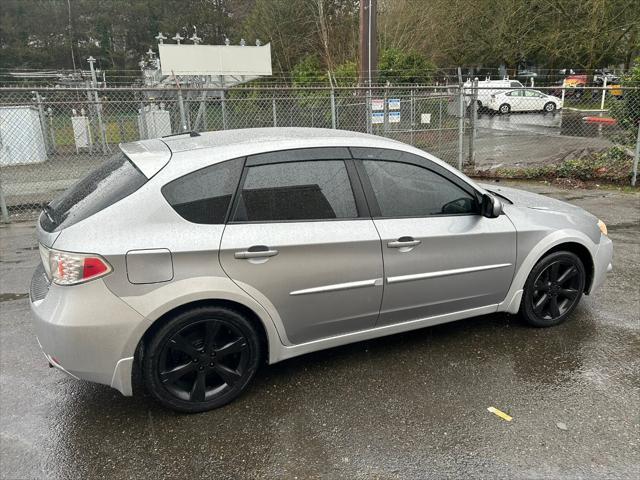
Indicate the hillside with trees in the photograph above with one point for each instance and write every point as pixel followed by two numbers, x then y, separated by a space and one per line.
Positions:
pixel 415 36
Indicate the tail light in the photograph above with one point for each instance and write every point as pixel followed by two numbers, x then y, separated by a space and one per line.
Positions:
pixel 67 268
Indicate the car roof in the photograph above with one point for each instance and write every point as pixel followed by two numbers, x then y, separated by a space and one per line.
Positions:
pixel 150 156
pixel 194 151
pixel 271 135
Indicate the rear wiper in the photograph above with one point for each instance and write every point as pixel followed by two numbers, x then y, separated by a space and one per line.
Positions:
pixel 48 211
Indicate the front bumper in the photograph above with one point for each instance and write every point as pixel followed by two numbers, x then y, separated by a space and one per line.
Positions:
pixel 602 262
pixel 86 331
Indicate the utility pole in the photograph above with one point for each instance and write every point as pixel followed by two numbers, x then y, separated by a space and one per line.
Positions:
pixel 368 42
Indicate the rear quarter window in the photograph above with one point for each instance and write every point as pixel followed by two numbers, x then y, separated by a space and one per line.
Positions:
pixel 204 196
pixel 114 180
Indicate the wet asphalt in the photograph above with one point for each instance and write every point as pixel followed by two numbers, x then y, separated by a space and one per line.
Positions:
pixel 412 405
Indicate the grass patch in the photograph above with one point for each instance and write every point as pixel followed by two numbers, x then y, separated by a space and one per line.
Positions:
pixel 613 166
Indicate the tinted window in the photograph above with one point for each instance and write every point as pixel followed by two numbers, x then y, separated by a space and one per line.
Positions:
pixel 404 190
pixel 313 190
pixel 203 196
pixel 104 186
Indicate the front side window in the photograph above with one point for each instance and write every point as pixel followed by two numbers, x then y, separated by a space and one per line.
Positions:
pixel 311 190
pixel 203 196
pixel 405 190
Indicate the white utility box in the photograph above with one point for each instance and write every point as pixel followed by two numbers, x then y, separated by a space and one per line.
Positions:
pixel 21 136
pixel 154 122
pixel 81 132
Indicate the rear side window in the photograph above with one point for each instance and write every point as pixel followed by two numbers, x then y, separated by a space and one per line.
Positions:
pixel 204 196
pixel 404 190
pixel 104 186
pixel 313 190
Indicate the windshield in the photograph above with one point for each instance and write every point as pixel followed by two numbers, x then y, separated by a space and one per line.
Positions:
pixel 102 187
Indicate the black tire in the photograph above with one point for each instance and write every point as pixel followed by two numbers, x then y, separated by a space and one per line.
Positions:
pixel 201 359
pixel 553 289
pixel 549 107
pixel 504 108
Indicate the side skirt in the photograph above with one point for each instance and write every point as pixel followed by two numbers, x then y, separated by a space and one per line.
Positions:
pixel 324 343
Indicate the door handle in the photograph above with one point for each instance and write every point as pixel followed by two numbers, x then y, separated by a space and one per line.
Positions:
pixel 259 251
pixel 404 242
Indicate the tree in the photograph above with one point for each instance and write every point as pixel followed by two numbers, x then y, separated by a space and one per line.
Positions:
pixel 397 67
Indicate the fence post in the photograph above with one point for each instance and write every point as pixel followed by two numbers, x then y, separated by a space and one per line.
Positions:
pixel 333 108
pixel 274 111
pixel 385 113
pixel 474 120
pixel 3 205
pixel 460 126
pixel 224 109
pixel 368 99
pixel 43 124
pixel 183 117
pixel 635 159
pixel 413 110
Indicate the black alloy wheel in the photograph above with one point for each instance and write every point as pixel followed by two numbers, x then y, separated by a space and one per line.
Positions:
pixel 553 289
pixel 202 359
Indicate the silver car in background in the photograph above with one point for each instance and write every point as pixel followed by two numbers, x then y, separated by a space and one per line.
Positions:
pixel 197 257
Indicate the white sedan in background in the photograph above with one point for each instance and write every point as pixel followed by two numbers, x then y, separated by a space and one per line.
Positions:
pixel 523 100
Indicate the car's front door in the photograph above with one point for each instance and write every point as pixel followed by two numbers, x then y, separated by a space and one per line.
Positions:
pixel 440 255
pixel 534 101
pixel 301 242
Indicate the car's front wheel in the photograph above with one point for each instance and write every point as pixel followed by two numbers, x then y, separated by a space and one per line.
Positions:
pixel 553 289
pixel 201 359
pixel 549 107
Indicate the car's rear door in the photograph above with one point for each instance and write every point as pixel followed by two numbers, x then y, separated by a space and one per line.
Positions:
pixel 440 255
pixel 301 242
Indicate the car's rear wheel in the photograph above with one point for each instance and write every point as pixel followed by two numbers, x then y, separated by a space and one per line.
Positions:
pixel 549 107
pixel 201 359
pixel 504 108
pixel 553 289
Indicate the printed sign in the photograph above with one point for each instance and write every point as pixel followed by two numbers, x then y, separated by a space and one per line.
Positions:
pixel 394 117
pixel 393 103
pixel 377 117
pixel 425 118
pixel 377 104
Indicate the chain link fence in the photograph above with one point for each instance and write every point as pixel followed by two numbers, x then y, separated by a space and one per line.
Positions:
pixel 49 138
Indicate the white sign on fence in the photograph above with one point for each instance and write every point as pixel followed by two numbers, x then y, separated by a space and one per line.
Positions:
pixel 393 103
pixel 425 118
pixel 394 117
pixel 377 117
pixel 377 104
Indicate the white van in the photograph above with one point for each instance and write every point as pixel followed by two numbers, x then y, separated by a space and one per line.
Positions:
pixel 486 88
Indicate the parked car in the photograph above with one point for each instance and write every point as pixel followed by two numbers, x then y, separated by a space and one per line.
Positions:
pixel 523 101
pixel 486 88
pixel 195 258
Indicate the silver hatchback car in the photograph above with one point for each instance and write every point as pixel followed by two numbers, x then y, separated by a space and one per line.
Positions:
pixel 196 257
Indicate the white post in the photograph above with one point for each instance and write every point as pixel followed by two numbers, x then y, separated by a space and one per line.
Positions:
pixel 562 98
pixel 604 91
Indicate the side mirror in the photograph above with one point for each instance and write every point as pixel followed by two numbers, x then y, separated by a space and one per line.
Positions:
pixel 491 206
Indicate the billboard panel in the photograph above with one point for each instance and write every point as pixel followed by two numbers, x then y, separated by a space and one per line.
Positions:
pixel 215 59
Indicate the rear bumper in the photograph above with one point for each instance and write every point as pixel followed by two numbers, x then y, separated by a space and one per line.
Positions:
pixel 602 263
pixel 88 332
